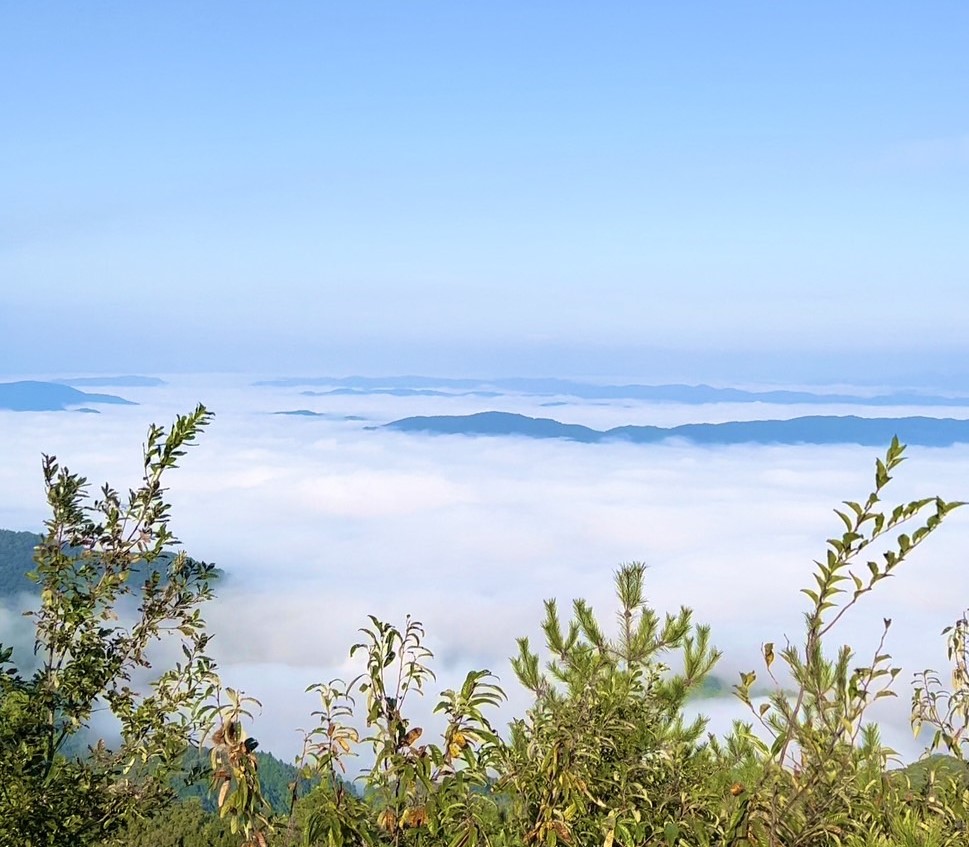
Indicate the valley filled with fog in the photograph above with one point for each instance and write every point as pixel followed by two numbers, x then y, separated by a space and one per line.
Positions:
pixel 321 519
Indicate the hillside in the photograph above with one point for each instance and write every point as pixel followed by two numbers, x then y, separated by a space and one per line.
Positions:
pixel 938 766
pixel 275 779
pixel 16 559
pixel 813 429
pixel 32 396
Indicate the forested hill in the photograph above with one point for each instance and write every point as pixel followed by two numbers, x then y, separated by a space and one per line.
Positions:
pixel 16 559
pixel 812 429
pixel 275 779
pixel 194 821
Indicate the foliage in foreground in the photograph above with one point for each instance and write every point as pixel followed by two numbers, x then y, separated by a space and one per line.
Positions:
pixel 604 755
pixel 94 632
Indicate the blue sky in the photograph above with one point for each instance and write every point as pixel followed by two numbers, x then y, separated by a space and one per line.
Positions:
pixel 743 191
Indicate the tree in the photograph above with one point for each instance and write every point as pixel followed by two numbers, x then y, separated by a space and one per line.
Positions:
pixel 184 824
pixel 111 586
pixel 823 767
pixel 605 755
pixel 946 711
pixel 416 792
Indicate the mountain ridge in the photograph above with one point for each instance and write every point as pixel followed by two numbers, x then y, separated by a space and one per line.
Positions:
pixel 811 429
pixel 36 396
pixel 552 387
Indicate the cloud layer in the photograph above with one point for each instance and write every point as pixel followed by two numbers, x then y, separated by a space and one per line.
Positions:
pixel 320 523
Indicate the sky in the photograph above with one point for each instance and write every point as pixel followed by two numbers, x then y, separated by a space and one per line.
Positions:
pixel 742 194
pixel 721 192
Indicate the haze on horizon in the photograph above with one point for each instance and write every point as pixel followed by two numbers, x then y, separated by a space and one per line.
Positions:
pixel 745 192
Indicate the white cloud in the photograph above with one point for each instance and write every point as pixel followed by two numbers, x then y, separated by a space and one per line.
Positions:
pixel 319 523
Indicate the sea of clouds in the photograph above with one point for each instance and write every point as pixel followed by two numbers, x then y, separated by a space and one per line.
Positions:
pixel 321 521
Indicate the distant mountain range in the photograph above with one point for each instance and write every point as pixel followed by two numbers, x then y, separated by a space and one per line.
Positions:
pixel 114 381
pixel 306 413
pixel 814 429
pixel 31 396
pixel 398 392
pixel 409 386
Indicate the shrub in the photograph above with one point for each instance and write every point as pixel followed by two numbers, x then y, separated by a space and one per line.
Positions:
pixel 109 587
